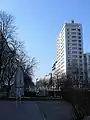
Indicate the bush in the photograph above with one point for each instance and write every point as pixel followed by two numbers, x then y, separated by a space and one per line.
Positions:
pixel 54 93
pixel 30 94
pixel 80 97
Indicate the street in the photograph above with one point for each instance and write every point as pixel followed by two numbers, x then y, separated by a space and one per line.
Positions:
pixel 35 110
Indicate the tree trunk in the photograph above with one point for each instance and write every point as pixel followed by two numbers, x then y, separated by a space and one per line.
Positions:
pixel 8 88
pixel 7 92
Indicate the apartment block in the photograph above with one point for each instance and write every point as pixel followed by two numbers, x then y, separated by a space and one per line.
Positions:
pixel 70 48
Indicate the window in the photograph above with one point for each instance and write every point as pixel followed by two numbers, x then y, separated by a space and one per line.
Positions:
pixel 79 33
pixel 68 44
pixel 62 66
pixel 74 48
pixel 68 64
pixel 80 61
pixel 79 41
pixel 74 44
pixel 80 69
pixel 78 29
pixel 80 48
pixel 62 55
pixel 81 77
pixel 68 37
pixel 80 52
pixel 74 56
pixel 80 45
pixel 73 36
pixel 79 37
pixel 68 33
pixel 68 48
pixel 68 41
pixel 73 33
pixel 62 51
pixel 74 72
pixel 68 60
pixel 80 64
pixel 74 51
pixel 68 52
pixel 81 73
pixel 80 56
pixel 74 40
pixel 73 29
pixel 68 29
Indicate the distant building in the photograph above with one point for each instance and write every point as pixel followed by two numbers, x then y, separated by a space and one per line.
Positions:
pixel 69 48
pixel 87 68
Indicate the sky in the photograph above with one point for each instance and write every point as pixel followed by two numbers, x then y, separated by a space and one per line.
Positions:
pixel 39 23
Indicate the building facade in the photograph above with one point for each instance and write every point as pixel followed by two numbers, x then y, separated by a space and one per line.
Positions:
pixel 87 68
pixel 70 48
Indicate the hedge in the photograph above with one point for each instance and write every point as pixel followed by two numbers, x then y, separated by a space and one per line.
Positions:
pixel 80 97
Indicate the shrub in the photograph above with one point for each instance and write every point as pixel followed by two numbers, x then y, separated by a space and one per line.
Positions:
pixel 80 97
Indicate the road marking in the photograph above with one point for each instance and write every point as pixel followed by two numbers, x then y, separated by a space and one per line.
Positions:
pixel 44 116
pixel 41 112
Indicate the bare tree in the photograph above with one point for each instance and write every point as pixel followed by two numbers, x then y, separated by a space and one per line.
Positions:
pixel 66 82
pixel 75 72
pixel 72 76
pixel 7 34
pixel 29 67
pixel 12 51
pixel 7 26
pixel 44 82
pixel 8 66
pixel 50 80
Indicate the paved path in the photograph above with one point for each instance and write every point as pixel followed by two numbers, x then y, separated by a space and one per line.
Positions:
pixel 28 110
pixel 56 110
pixel 24 111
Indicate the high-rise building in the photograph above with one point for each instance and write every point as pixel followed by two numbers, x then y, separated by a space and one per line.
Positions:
pixel 70 48
pixel 87 68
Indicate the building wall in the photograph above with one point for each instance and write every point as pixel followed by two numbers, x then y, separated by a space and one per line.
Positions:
pixel 61 52
pixel 87 67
